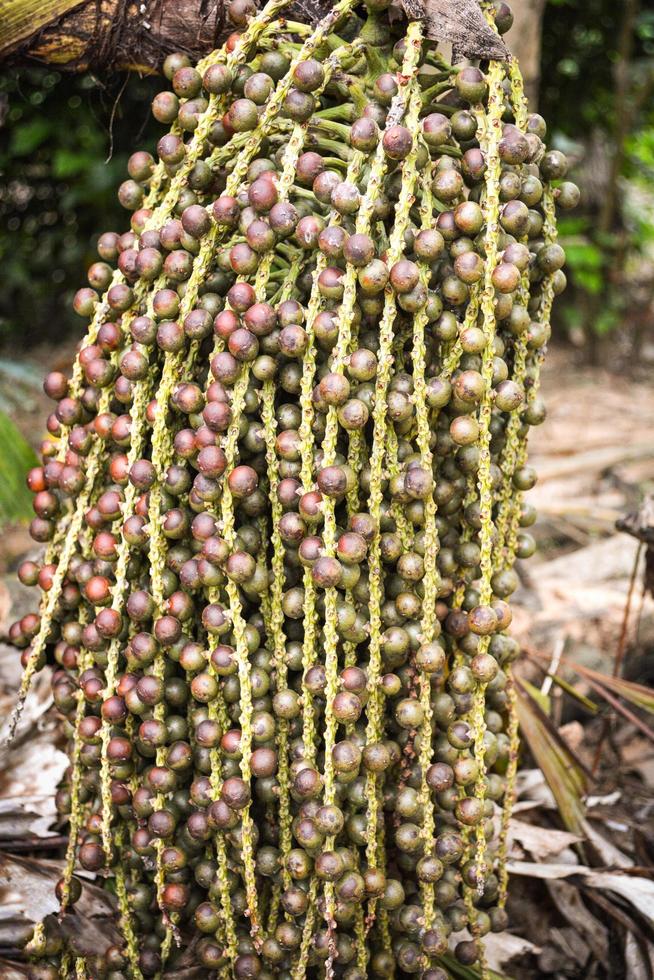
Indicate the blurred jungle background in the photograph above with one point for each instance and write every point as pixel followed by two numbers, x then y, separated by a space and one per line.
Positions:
pixel 589 68
pixel 584 614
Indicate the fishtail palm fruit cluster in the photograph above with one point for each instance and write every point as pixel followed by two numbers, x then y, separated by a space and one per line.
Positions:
pixel 281 506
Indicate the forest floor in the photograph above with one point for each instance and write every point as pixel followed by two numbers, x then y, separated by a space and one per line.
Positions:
pixel 582 900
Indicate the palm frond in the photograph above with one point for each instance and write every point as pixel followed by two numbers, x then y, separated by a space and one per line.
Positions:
pixel 565 774
pixel 17 458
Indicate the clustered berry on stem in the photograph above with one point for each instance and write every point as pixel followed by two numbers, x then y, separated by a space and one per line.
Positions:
pixel 281 505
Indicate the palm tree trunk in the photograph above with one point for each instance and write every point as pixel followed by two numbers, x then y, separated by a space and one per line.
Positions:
pixel 524 43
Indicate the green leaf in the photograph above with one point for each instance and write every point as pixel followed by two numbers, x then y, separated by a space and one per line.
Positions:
pixel 572 317
pixel 591 281
pixel 583 254
pixel 606 321
pixel 28 137
pixel 542 700
pixel 574 693
pixel 568 225
pixel 17 458
pixel 67 163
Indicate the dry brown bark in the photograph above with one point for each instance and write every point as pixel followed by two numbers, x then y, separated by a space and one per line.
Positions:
pixel 82 35
pixel 462 24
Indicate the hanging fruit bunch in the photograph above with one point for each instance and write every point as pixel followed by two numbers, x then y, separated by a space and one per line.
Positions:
pixel 282 503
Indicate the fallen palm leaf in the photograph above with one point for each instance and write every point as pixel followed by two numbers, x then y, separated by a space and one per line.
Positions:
pixel 23 817
pixel 540 697
pixel 637 890
pixel 565 775
pixel 569 903
pixel 13 971
pixel 621 709
pixel 639 958
pixel 88 937
pixel 541 842
pixel 27 891
pixel 618 914
pixel 608 853
pixel 30 770
pixel 532 790
pixel 607 799
pixel 574 948
pixel 27 896
pixel 501 949
pixel 636 694
pixel 572 691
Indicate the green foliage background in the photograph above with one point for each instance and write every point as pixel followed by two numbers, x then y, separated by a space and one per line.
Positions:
pixel 612 271
pixel 64 143
pixel 65 139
